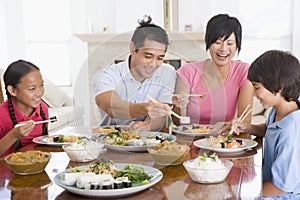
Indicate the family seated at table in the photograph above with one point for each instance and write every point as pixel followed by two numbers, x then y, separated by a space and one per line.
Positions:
pixel 226 88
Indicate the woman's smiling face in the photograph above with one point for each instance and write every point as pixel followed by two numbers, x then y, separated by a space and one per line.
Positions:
pixel 222 52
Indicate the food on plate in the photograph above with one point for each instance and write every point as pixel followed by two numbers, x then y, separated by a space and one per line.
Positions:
pixel 208 168
pixel 106 129
pixel 199 130
pixel 29 162
pixel 169 153
pixel 225 142
pixel 83 150
pixel 132 138
pixel 104 175
pixel 62 138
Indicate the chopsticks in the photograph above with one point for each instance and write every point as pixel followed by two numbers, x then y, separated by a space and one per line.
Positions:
pixel 245 113
pixel 184 119
pixel 51 120
pixel 191 95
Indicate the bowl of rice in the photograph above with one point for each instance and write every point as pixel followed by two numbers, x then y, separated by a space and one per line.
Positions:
pixel 169 153
pixel 84 150
pixel 208 169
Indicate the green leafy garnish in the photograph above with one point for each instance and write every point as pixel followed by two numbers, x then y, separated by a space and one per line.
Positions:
pixel 205 156
pixel 134 173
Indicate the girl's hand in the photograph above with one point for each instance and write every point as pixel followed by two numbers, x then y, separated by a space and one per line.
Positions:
pixel 24 129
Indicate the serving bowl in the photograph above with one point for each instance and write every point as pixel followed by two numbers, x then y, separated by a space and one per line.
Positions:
pixel 169 153
pixel 83 150
pixel 29 162
pixel 208 175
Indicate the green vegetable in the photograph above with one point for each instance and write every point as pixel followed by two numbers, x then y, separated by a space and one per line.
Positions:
pixel 134 173
pixel 205 156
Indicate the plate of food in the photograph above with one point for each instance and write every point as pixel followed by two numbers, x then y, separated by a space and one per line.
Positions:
pixel 227 145
pixel 135 141
pixel 55 140
pixel 107 179
pixel 194 130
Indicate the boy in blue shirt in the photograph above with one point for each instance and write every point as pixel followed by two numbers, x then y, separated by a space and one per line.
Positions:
pixel 275 76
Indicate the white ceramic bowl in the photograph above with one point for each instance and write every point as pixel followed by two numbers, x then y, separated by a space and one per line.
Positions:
pixel 83 153
pixel 208 175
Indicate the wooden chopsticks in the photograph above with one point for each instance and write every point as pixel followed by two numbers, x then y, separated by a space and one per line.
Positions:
pixel 245 113
pixel 51 120
pixel 172 112
pixel 191 95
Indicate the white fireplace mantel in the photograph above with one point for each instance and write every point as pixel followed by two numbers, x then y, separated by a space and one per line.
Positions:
pixel 94 39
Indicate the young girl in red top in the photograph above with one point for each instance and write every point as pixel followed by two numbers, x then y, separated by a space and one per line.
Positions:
pixel 24 87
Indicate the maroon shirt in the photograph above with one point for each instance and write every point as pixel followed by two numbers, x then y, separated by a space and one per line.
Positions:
pixel 6 123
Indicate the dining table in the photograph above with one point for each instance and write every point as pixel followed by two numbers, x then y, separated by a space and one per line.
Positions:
pixel 244 181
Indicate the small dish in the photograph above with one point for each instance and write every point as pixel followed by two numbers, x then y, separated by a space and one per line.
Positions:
pixel 169 153
pixel 29 162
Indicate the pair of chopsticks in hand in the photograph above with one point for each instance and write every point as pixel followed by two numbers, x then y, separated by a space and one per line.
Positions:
pixel 51 120
pixel 245 113
pixel 182 119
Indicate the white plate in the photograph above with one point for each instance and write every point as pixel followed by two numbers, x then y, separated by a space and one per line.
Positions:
pixel 157 176
pixel 180 130
pixel 45 139
pixel 170 138
pixel 203 143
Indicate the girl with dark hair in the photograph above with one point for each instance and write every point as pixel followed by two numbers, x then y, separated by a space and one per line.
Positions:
pixel 24 87
pixel 275 76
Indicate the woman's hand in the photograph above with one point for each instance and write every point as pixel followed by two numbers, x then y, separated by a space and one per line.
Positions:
pixel 23 130
pixel 181 101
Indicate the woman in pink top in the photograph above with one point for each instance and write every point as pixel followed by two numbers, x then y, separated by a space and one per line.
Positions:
pixel 222 80
pixel 24 87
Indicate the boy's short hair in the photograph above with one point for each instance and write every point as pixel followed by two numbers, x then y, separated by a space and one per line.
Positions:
pixel 277 70
pixel 222 26
pixel 150 31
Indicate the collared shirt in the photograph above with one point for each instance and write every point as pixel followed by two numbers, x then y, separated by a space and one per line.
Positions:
pixel 6 123
pixel 282 152
pixel 118 77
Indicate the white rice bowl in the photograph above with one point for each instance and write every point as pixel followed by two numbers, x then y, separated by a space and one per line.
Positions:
pixel 83 152
pixel 208 171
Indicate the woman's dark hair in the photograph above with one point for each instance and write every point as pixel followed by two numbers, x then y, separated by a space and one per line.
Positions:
pixel 222 26
pixel 12 76
pixel 277 70
pixel 150 31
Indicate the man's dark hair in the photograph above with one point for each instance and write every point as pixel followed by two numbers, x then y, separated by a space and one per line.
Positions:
pixel 150 31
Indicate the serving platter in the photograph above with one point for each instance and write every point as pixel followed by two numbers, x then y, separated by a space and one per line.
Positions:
pixel 204 144
pixel 155 173
pixel 170 138
pixel 191 130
